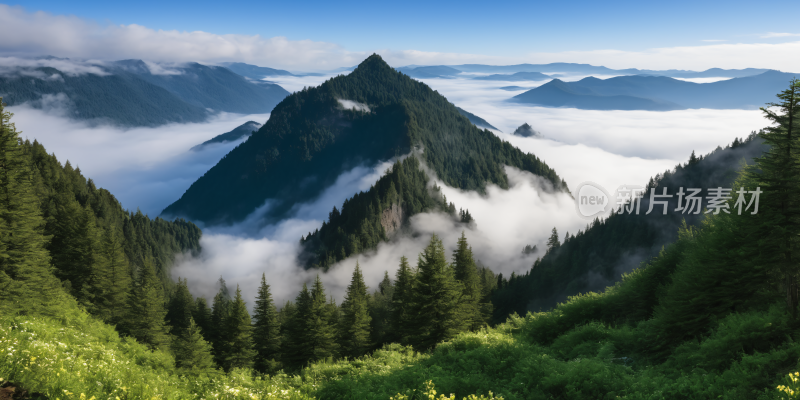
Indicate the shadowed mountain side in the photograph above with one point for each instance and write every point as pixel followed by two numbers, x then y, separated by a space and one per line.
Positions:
pixel 557 93
pixel 243 130
pixel 310 139
pixel 123 99
pixel 597 257
pixel 657 93
pixel 478 121
pixel 217 88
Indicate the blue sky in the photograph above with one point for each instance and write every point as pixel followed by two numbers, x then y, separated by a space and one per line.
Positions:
pixel 490 28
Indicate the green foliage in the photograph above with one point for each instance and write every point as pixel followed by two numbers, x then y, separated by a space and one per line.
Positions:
pixel 354 324
pixel 438 314
pixel 466 273
pixel 192 352
pixel 266 330
pixel 238 335
pixel 147 311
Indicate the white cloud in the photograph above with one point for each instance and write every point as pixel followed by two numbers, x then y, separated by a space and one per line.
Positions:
pixel 146 168
pixel 353 105
pixel 778 35
pixel 22 66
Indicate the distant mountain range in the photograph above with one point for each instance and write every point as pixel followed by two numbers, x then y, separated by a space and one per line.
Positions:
pixel 128 93
pixel 311 138
pixel 586 69
pixel 516 77
pixel 244 130
pixel 657 93
pixel 258 73
pixel 437 71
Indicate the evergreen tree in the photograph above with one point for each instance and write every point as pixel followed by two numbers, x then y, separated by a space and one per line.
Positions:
pixel 354 326
pixel 240 351
pixel 116 279
pixel 147 311
pixel 266 330
pixel 192 352
pixel 321 331
pixel 380 309
pixel 27 284
pixel 180 308
pixel 296 350
pixel 467 274
pixel 403 302
pixel 437 299
pixel 778 231
pixel 218 332
pixel 552 242
pixel 202 316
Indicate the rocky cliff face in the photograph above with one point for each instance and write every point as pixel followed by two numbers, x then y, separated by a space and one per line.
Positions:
pixel 391 219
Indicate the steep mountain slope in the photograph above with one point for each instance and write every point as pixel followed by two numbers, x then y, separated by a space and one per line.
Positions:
pixel 124 99
pixel 478 121
pixel 243 130
pixel 254 71
pixel 311 138
pixel 217 88
pixel 642 92
pixel 128 93
pixel 595 258
pixel 516 77
pixel 558 93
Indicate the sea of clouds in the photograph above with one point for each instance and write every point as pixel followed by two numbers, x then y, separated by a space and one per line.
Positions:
pixel 148 168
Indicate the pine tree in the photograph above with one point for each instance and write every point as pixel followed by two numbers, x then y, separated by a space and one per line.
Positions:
pixel 437 299
pixel 239 350
pixel 202 316
pixel 380 309
pixel 218 332
pixel 192 352
pixel 266 330
pixel 354 327
pixel 778 232
pixel 467 274
pixel 116 279
pixel 180 308
pixel 552 242
pixel 147 310
pixel 321 332
pixel 27 284
pixel 403 302
pixel 296 351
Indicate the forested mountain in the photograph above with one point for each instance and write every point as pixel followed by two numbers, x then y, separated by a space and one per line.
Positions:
pixel 127 93
pixel 657 93
pixel 244 130
pixel 515 77
pixel 253 71
pixel 525 130
pixel 95 247
pixel 311 138
pixel 595 258
pixel 478 121
pixel 217 88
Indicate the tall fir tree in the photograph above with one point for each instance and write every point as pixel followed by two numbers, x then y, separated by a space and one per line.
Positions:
pixel 403 302
pixel 437 301
pixel 553 243
pixel 147 310
pixel 354 326
pixel 321 328
pixel 115 279
pixel 295 350
pixel 240 351
pixel 266 330
pixel 380 309
pixel 202 316
pixel 27 283
pixel 778 175
pixel 180 308
pixel 220 311
pixel 466 272
pixel 192 352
